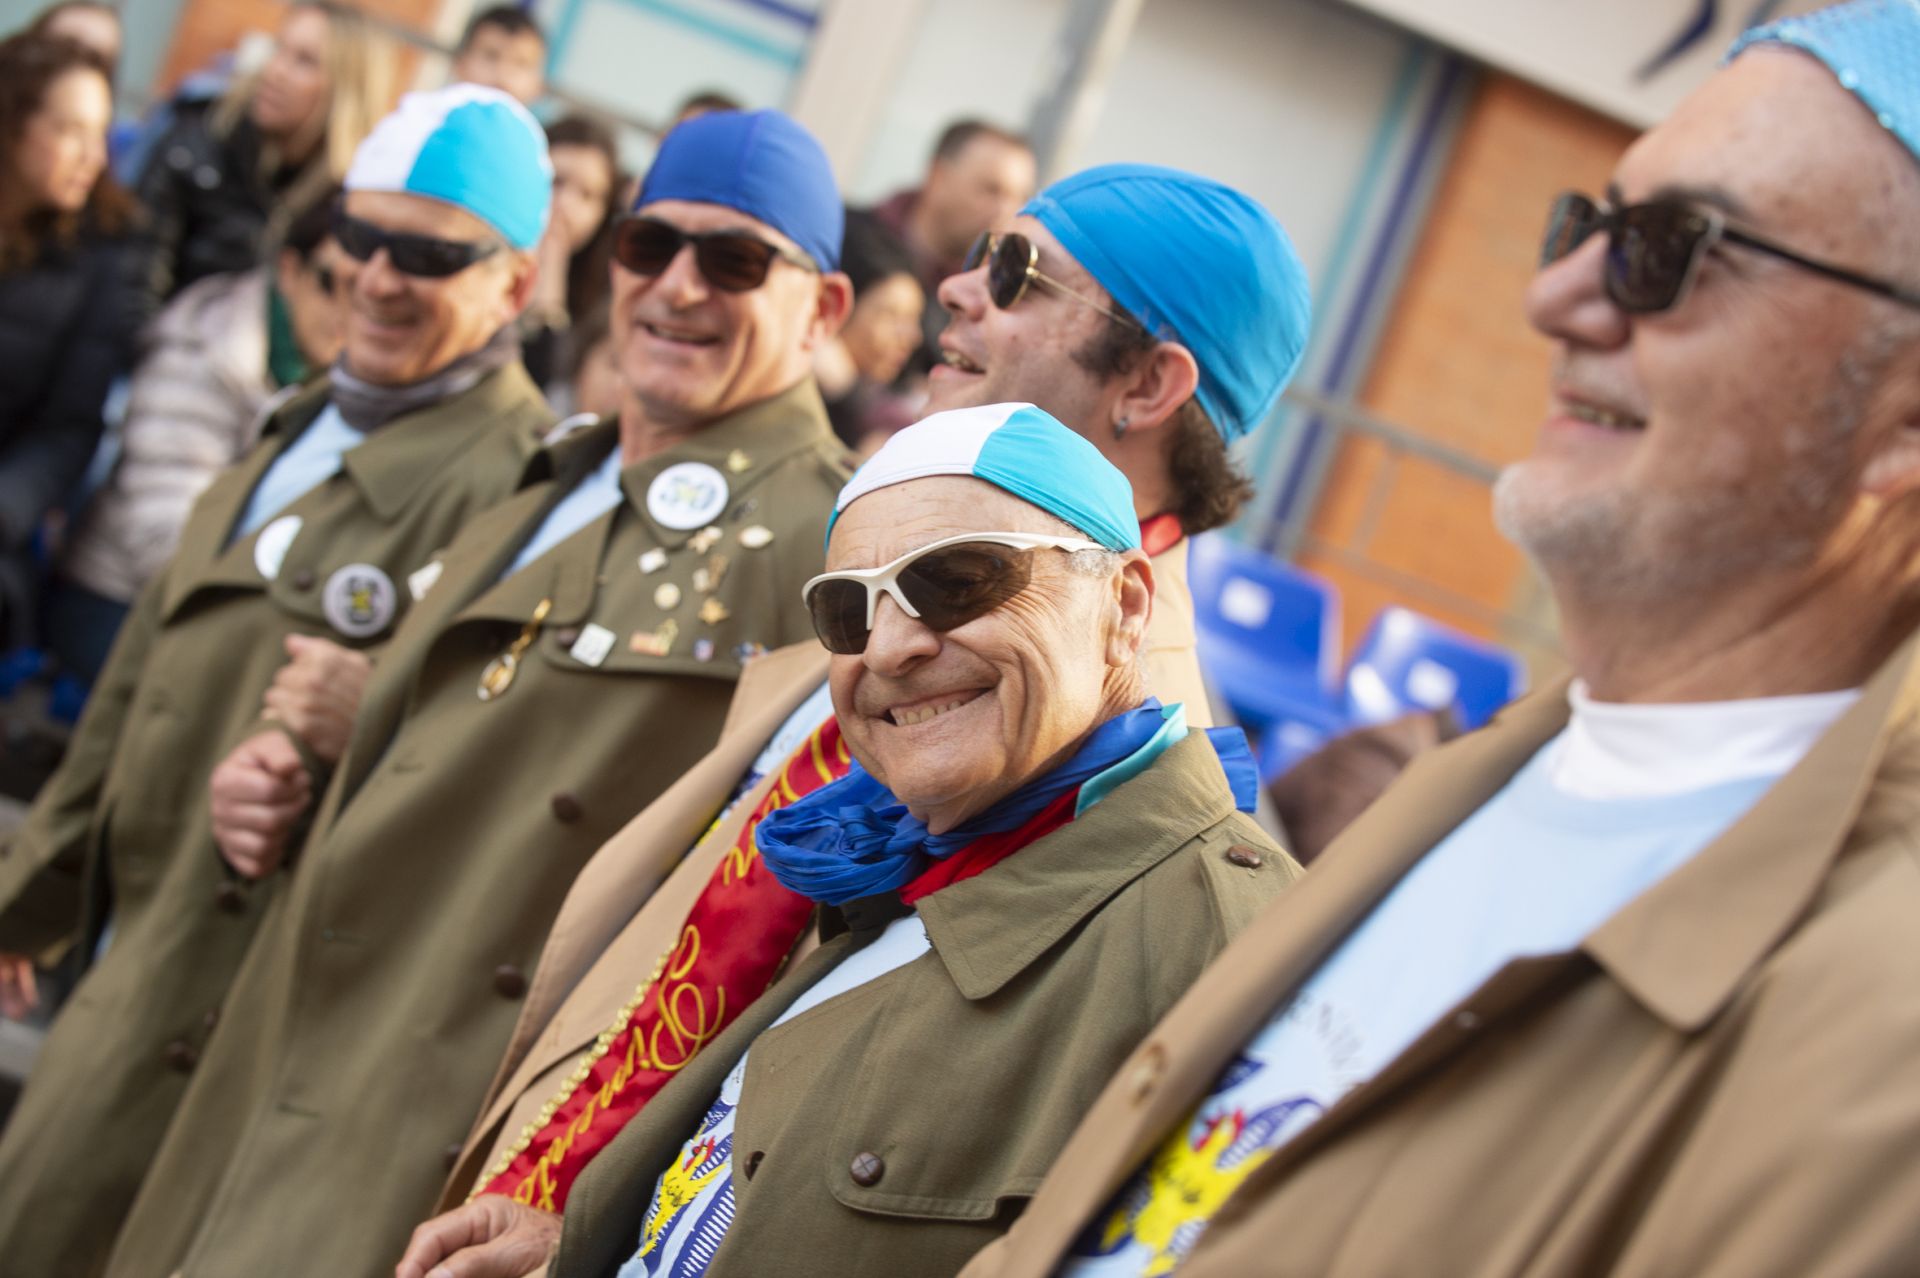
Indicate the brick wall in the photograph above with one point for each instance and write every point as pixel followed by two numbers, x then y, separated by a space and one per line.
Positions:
pixel 208 28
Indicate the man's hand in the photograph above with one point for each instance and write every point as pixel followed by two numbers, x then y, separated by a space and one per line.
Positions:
pixel 19 989
pixel 259 793
pixel 317 693
pixel 490 1237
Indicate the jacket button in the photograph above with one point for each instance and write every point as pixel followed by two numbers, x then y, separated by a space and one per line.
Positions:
pixel 509 981
pixel 303 579
pixel 230 897
pixel 451 1156
pixel 180 1056
pixel 867 1170
pixel 566 808
pixel 753 1163
pixel 567 636
pixel 1146 1072
pixel 1245 857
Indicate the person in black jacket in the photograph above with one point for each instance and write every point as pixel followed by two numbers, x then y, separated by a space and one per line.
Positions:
pixel 69 305
pixel 229 173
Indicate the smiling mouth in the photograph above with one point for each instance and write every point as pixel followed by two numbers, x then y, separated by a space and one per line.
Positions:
pixel 683 337
pixel 959 363
pixel 1601 417
pixel 928 711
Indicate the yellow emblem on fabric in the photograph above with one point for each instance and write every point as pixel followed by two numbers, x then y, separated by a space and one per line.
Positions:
pixel 1186 1185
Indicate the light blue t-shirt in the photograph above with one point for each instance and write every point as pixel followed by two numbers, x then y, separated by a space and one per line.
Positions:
pixel 596 493
pixel 308 462
pixel 1533 872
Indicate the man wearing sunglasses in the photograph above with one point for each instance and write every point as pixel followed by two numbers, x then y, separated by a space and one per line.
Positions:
pixel 1625 983
pixel 570 656
pixel 1159 314
pixel 426 420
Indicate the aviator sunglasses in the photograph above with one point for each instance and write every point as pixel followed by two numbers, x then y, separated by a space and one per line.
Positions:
pixel 1013 263
pixel 421 255
pixel 1654 250
pixel 731 261
pixel 943 585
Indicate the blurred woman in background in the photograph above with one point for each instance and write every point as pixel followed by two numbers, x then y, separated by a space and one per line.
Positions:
pixel 577 254
pixel 857 368
pixel 230 173
pixel 69 301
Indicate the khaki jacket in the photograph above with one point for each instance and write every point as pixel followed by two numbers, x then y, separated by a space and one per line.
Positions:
pixel 362 1035
pixel 964 1070
pixel 126 817
pixel 1723 1081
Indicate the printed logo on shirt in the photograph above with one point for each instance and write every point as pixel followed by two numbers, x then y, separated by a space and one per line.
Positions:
pixel 359 601
pixel 696 1192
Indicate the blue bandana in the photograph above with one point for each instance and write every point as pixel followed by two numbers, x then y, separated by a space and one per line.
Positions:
pixel 762 163
pixel 1196 262
pixel 853 838
pixel 1873 49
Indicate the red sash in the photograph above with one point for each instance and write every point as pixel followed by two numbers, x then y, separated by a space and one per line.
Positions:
pixel 734 940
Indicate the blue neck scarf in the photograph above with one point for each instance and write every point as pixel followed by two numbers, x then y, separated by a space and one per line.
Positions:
pixel 853 838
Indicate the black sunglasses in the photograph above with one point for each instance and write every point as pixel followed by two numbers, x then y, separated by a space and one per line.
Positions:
pixel 421 255
pixel 1654 250
pixel 731 261
pixel 1013 263
pixel 943 585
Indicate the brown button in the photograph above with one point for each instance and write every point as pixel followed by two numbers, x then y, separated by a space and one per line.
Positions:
pixel 753 1163
pixel 303 579
pixel 867 1170
pixel 509 980
pixel 450 1156
pixel 567 636
pixel 1245 857
pixel 230 897
pixel 180 1055
pixel 566 808
pixel 1145 1073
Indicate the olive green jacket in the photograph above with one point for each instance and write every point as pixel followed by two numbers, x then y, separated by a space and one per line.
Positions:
pixel 365 1027
pixel 123 824
pixel 964 1070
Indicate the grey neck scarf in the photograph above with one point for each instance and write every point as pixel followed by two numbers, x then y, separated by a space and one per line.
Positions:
pixel 367 407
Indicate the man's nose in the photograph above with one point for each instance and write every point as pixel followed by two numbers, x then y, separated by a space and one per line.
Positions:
pixel 897 642
pixel 1567 299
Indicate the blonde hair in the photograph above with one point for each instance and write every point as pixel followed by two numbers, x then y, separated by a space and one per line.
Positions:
pixel 362 82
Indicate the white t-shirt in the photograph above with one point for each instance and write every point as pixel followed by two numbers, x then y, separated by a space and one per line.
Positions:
pixel 1533 872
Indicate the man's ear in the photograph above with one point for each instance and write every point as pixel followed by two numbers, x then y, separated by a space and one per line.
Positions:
pixel 1156 389
pixel 526 273
pixel 832 308
pixel 1133 599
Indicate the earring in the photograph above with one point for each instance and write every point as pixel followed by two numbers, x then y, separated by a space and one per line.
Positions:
pixel 1120 428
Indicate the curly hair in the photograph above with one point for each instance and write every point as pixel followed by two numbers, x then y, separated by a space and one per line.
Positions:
pixel 1209 490
pixel 29 66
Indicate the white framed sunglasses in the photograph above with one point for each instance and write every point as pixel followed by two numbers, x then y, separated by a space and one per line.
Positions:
pixel 942 585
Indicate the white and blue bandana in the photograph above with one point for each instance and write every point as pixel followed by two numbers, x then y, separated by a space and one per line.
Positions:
pixel 1016 447
pixel 469 146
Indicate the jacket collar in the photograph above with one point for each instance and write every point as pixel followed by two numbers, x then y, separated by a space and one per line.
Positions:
pixel 990 928
pixel 1684 946
pixel 401 457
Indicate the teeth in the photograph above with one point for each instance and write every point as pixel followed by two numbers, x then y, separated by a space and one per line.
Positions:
pixel 954 359
pixel 922 714
pixel 674 335
pixel 1600 417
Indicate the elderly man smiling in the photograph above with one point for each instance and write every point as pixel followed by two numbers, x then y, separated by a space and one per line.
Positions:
pixel 1028 858
pixel 427 419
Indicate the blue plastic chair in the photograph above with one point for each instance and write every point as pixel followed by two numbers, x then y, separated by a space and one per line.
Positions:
pixel 1269 636
pixel 1409 663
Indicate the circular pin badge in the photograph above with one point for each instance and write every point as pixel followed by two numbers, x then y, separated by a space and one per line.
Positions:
pixel 359 601
pixel 271 546
pixel 687 495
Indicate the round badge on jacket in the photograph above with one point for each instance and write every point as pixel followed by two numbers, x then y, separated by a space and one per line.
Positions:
pixel 687 495
pixel 271 546
pixel 359 601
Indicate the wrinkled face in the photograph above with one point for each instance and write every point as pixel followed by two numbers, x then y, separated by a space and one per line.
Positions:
pixel 1022 355
pixel 1722 437
pixel 690 353
pixel 582 183
pixel 401 328
pixel 953 722
pixel 96 27
pixel 884 330
pixel 512 62
pixel 293 89
pixel 980 188
pixel 312 292
pixel 63 148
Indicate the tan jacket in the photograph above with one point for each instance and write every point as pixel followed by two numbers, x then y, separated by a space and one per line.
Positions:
pixel 1723 1081
pixel 898 1126
pixel 126 814
pixel 362 1034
